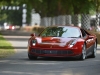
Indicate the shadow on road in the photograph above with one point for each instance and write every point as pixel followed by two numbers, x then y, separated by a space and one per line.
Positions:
pixel 56 59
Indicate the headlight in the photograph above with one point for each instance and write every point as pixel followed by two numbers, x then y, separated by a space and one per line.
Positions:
pixel 72 43
pixel 34 42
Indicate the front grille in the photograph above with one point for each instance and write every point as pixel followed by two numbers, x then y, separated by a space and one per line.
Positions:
pixel 39 51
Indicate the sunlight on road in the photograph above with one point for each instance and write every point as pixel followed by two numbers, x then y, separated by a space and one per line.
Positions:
pixel 68 72
pixel 98 51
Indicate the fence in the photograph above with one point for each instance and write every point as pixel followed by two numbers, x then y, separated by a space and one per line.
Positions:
pixel 82 20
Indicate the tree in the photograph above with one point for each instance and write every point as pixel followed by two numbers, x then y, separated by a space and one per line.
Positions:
pixel 50 8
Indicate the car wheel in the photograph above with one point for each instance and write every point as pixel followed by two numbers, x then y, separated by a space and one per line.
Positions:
pixel 32 57
pixel 83 55
pixel 94 51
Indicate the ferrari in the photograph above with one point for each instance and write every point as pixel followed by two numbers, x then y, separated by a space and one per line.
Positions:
pixel 62 41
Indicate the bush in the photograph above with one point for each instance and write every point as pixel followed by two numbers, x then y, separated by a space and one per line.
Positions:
pixel 36 29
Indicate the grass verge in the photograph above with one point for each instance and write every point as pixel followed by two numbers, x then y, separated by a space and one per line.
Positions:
pixel 6 48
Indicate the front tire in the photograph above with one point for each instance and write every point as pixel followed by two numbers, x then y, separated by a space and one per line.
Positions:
pixel 83 55
pixel 94 51
pixel 32 57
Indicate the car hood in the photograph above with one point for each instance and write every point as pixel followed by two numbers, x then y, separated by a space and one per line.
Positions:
pixel 54 41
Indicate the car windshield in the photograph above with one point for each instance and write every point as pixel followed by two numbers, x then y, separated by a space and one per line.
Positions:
pixel 70 32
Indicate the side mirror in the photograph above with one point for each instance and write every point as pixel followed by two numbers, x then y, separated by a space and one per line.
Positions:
pixel 33 34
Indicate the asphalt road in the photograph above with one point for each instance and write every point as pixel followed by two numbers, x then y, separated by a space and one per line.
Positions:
pixel 19 64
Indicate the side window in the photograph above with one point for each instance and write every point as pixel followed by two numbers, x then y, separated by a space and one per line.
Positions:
pixel 83 33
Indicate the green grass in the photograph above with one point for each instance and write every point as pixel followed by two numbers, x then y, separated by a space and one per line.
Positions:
pixel 6 48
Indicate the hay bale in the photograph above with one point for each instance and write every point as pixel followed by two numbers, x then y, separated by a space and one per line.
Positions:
pixel 38 29
pixel 97 34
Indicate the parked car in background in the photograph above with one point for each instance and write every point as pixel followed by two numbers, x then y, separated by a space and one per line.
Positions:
pixel 62 41
pixel 9 27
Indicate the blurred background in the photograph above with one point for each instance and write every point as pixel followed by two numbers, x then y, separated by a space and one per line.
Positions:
pixel 17 14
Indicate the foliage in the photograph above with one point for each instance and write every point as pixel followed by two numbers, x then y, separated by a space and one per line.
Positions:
pixel 97 5
pixel 50 8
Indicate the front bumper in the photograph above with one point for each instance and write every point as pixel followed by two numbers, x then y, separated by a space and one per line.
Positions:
pixel 54 52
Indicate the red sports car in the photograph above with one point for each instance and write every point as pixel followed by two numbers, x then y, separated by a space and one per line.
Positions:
pixel 62 41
